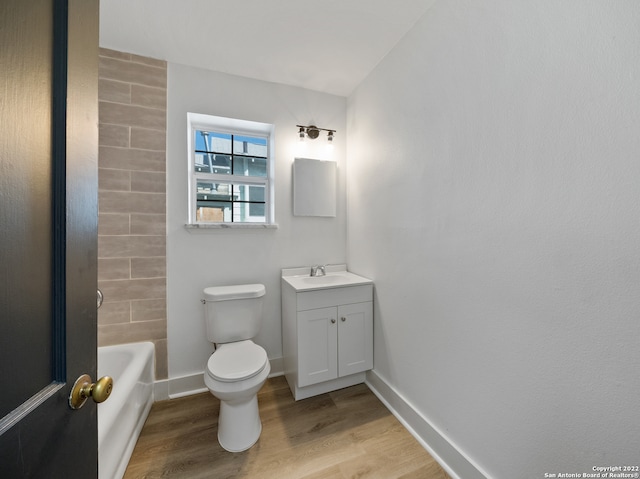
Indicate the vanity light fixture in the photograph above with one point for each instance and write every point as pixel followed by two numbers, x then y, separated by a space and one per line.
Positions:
pixel 313 132
pixel 330 142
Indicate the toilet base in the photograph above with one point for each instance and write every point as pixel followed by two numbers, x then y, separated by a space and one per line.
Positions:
pixel 239 425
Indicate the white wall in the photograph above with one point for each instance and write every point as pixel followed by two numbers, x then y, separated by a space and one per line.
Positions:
pixel 198 259
pixel 493 196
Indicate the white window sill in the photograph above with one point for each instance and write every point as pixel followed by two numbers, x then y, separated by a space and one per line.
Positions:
pixel 229 226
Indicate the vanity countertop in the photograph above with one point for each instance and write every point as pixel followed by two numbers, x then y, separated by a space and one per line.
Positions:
pixel 336 276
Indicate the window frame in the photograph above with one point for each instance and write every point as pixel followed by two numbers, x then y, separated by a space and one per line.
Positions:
pixel 197 122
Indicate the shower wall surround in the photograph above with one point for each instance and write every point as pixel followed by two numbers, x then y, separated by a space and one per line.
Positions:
pixel 132 202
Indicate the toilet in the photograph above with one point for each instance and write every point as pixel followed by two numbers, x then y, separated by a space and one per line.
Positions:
pixel 238 368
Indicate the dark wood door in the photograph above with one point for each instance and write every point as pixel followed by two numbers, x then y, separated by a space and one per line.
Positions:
pixel 48 235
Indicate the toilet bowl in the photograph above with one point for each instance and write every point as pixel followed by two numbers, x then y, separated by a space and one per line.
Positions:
pixel 234 374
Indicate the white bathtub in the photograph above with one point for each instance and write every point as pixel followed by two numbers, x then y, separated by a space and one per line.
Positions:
pixel 121 417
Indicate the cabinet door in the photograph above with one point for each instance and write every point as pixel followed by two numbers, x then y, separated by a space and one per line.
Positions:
pixel 317 346
pixel 355 338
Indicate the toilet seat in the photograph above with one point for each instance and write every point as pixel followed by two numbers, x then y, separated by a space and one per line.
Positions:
pixel 238 361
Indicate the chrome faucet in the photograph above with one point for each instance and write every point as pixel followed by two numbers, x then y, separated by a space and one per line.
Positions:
pixel 318 270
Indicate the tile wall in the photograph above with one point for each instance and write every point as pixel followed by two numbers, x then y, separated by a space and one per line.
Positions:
pixel 132 202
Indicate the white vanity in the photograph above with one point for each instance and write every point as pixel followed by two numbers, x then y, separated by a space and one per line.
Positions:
pixel 327 330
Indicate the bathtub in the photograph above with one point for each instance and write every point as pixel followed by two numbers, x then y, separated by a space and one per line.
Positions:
pixel 121 417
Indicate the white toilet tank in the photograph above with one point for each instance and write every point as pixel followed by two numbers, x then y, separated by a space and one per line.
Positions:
pixel 233 313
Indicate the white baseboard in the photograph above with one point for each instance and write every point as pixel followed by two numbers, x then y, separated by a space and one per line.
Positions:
pixel 173 388
pixel 442 449
pixel 161 390
pixel 277 367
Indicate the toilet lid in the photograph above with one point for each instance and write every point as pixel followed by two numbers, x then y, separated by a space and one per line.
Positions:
pixel 236 361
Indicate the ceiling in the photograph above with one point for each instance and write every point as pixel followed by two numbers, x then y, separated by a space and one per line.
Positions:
pixel 328 46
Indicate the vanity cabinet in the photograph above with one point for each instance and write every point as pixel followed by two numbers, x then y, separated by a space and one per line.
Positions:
pixel 334 342
pixel 327 337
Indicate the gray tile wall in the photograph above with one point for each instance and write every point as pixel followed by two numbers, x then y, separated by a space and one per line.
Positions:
pixel 132 202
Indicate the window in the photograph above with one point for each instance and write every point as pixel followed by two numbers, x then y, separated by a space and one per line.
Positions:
pixel 230 171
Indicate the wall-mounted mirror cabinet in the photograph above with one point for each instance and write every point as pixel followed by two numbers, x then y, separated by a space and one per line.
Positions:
pixel 314 187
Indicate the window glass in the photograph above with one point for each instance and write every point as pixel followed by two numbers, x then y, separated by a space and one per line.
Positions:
pixel 250 146
pixel 212 141
pixel 210 191
pixel 219 202
pixel 230 179
pixel 248 193
pixel 214 212
pixel 249 166
pixel 212 163
pixel 256 196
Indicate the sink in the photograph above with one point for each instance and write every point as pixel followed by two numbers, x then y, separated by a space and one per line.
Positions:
pixel 326 279
pixel 333 279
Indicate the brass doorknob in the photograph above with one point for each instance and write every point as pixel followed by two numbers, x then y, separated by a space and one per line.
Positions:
pixel 84 389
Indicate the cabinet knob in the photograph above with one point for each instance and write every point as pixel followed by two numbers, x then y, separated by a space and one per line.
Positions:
pixel 343 319
pixel 333 321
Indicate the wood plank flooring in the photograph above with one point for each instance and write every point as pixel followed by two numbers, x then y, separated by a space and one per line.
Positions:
pixel 344 434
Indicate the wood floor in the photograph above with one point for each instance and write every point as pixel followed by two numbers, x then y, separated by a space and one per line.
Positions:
pixel 343 434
